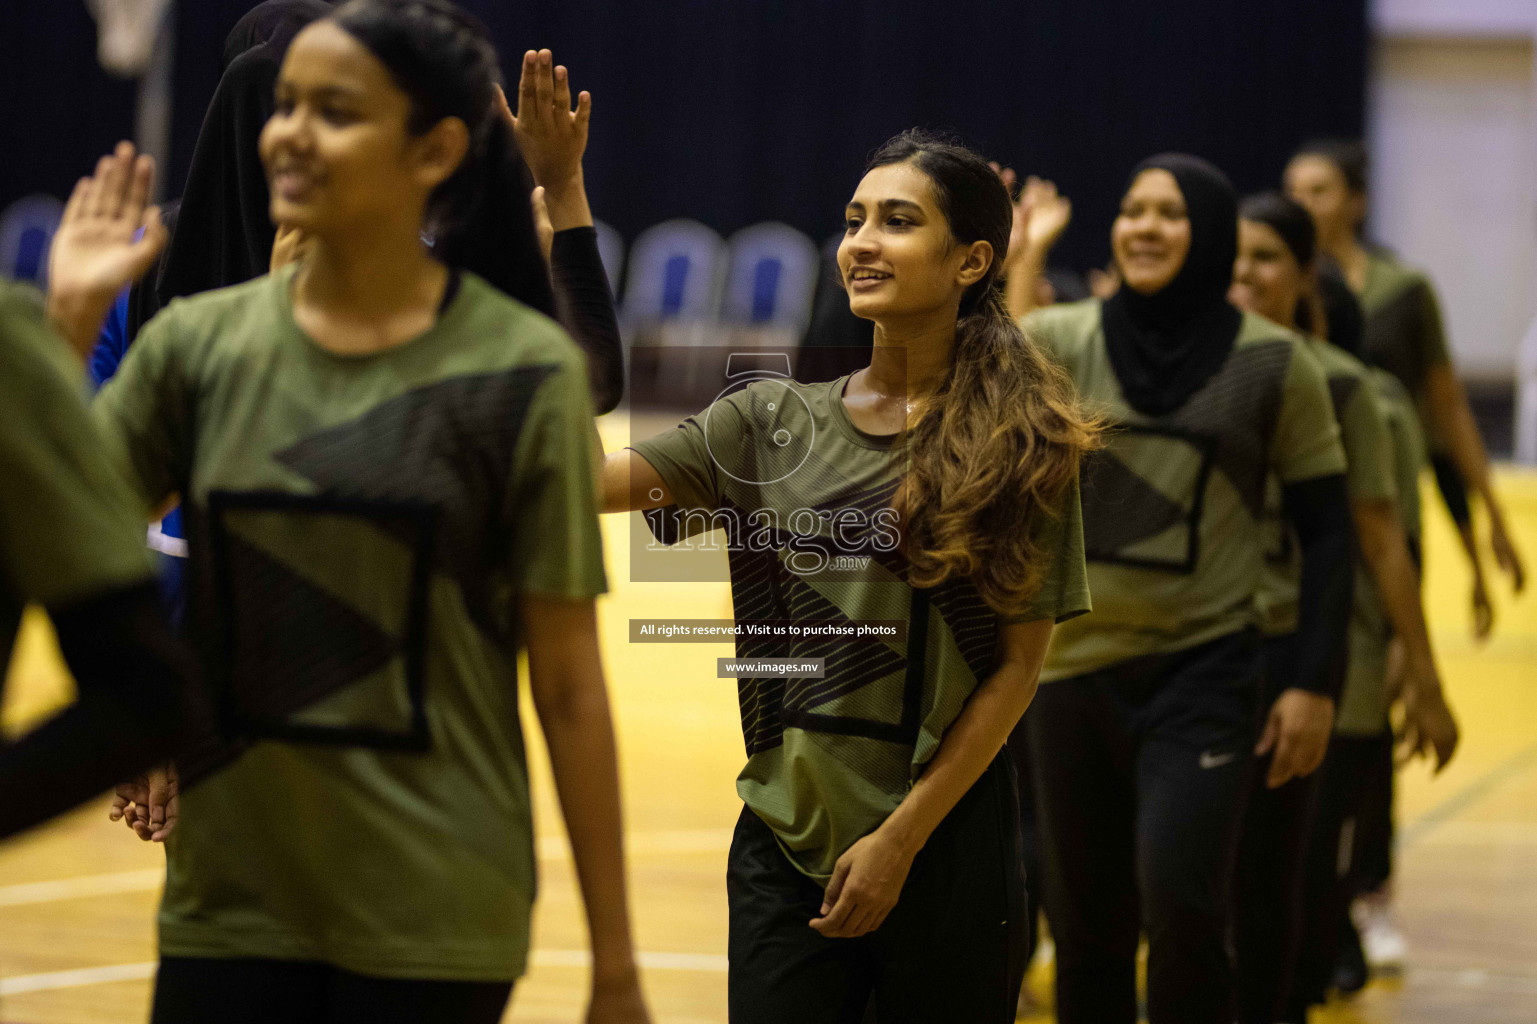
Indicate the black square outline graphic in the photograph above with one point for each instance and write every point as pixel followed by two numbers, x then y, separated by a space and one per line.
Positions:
pixel 904 732
pixel 413 646
pixel 1207 446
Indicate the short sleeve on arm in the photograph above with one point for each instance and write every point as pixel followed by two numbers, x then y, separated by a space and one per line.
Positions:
pixel 1306 442
pixel 1064 588
pixel 552 511
pixel 1046 327
pixel 1370 472
pixel 691 457
pixel 142 413
pixel 1431 335
pixel 68 526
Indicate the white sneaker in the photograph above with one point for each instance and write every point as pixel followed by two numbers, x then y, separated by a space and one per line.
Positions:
pixel 1385 947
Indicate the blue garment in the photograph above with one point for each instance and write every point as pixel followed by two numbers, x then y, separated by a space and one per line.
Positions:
pixel 111 344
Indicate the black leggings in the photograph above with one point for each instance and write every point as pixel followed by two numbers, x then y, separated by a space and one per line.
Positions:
pixel 951 950
pixel 193 990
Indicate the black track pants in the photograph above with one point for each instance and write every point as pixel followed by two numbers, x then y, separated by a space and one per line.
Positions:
pixel 1268 886
pixel 1332 875
pixel 1141 775
pixel 251 991
pixel 951 950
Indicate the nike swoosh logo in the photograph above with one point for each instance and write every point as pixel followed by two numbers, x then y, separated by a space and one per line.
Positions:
pixel 1210 760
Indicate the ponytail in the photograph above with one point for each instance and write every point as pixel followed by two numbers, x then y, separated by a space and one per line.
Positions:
pixel 479 219
pixel 994 450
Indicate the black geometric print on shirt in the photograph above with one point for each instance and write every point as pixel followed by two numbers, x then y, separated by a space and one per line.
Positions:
pixel 1239 409
pixel 1120 508
pixel 972 624
pixel 762 587
pixel 449 445
pixel 292 642
pixel 281 643
pixel 760 699
pixel 848 666
pixel 1342 388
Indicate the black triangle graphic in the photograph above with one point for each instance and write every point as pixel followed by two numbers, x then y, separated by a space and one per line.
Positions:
pixel 1120 508
pixel 448 445
pixel 292 643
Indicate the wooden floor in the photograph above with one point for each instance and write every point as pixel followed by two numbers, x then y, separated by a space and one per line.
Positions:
pixel 77 897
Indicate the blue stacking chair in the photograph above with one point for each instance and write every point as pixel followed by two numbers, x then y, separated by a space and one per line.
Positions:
pixel 675 273
pixel 26 231
pixel 772 277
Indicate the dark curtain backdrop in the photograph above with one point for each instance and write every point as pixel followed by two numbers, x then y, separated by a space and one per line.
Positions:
pixel 734 111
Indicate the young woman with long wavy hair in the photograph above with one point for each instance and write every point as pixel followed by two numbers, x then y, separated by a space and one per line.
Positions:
pixel 876 859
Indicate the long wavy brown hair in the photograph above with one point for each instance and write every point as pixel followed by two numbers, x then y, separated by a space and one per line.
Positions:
pixel 996 447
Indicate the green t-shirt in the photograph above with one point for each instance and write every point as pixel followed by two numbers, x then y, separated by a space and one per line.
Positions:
pixel 1363 706
pixel 804 497
pixel 1408 439
pixel 360 530
pixel 69 527
pixel 1404 332
pixel 1370 474
pixel 1173 507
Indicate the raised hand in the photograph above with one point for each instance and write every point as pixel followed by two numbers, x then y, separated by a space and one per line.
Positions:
pixel 95 253
pixel 550 134
pixel 288 246
pixel 1050 213
pixel 1019 230
pixel 542 226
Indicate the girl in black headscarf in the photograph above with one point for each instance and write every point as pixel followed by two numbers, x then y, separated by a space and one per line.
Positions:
pixel 225 202
pixel 1165 344
pixel 1143 734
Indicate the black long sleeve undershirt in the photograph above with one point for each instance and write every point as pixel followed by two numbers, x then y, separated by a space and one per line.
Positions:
pixel 586 304
pixel 138 704
pixel 1319 510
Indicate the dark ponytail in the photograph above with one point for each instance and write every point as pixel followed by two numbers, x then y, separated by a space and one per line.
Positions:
pixel 998 444
pixel 442 58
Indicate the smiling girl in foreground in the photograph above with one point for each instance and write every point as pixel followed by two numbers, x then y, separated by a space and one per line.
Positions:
pixel 876 857
pixel 385 460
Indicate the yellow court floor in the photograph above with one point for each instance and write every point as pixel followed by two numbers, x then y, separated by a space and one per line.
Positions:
pixel 77 897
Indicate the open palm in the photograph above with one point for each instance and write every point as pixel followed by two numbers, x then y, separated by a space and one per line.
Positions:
pixel 551 136
pixel 97 251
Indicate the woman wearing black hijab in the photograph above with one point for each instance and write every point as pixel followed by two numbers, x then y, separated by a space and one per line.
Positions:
pixel 1143 731
pixel 225 201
